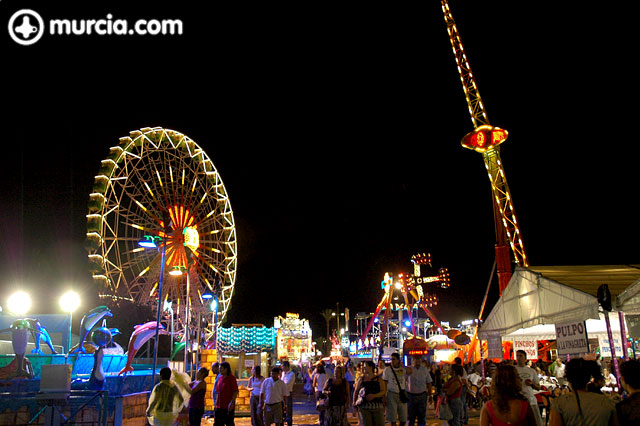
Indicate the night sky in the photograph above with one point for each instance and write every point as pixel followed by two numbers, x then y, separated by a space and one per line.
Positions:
pixel 336 131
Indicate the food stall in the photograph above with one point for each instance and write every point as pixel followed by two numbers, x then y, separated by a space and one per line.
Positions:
pixel 293 338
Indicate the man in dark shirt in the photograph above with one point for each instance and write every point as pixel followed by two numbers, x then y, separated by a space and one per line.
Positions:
pixel 629 408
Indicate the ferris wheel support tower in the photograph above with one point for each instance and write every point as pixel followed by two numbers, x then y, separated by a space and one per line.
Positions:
pixel 486 139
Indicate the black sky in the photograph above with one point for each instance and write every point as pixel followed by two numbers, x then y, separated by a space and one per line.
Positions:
pixel 336 131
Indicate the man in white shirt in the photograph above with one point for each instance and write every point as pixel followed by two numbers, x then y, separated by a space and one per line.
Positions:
pixel 559 372
pixel 474 378
pixel 289 379
pixel 396 410
pixel 273 395
pixel 530 382
pixel 419 389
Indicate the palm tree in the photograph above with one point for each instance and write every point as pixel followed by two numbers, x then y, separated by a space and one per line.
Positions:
pixel 327 314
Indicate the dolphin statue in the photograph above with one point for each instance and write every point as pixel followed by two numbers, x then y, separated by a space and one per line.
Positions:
pixel 20 330
pixel 89 320
pixel 40 334
pixel 101 337
pixel 141 333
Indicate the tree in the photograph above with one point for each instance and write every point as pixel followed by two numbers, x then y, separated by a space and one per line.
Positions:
pixel 327 315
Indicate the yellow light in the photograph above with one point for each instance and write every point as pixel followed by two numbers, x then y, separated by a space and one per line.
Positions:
pixel 19 303
pixel 70 301
pixel 191 238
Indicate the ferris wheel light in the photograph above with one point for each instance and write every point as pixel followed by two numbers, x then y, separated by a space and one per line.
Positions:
pixel 19 303
pixel 176 271
pixel 148 242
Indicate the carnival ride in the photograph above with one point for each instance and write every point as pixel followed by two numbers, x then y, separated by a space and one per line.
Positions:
pixel 407 293
pixel 486 139
pixel 160 186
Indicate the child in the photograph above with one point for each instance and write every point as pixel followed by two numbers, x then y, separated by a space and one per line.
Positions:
pixel 165 402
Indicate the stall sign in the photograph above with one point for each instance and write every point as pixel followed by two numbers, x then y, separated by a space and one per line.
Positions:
pixel 494 347
pixel 528 345
pixel 605 349
pixel 571 338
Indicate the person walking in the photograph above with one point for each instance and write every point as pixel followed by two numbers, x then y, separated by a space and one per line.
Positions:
pixel 227 391
pixel 629 408
pixel 419 388
pixel 395 376
pixel 368 395
pixel 580 407
pixel 465 389
pixel 530 382
pixel 273 396
pixel 215 371
pixel 319 380
pixel 197 390
pixel 255 386
pixel 165 402
pixel 338 390
pixel 453 391
pixel 507 406
pixel 289 379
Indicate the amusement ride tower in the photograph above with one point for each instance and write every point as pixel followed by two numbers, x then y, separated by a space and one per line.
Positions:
pixel 486 139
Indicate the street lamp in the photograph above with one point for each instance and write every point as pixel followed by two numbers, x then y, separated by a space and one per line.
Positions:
pixel 178 271
pixel 19 303
pixel 69 302
pixel 152 242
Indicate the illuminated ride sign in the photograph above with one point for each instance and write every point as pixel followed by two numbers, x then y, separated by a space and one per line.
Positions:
pixel 415 346
pixel 484 138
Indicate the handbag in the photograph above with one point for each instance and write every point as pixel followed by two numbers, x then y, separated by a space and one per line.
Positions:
pixel 361 397
pixel 322 404
pixel 444 412
pixel 404 398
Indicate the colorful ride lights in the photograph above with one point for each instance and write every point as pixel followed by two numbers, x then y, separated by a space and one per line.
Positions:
pixel 484 138
pixel 150 241
pixel 177 271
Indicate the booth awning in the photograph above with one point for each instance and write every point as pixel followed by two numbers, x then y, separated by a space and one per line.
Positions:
pixel 629 300
pixel 589 278
pixel 555 294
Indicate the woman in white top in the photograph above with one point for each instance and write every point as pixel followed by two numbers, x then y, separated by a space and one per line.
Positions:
pixel 255 384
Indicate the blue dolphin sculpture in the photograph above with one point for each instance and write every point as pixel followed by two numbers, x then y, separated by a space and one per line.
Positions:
pixel 89 320
pixel 40 333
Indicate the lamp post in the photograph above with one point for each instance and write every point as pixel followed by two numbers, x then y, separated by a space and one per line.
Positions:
pixel 152 242
pixel 179 271
pixel 69 302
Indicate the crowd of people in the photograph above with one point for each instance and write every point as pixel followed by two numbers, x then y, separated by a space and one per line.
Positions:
pixel 398 394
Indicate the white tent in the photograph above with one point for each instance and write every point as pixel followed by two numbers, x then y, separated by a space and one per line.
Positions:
pixel 543 296
pixel 629 300
pixel 531 299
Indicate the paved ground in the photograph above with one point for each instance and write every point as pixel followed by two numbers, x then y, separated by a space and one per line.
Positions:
pixel 304 413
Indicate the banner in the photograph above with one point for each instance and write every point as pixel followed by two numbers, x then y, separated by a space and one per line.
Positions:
pixel 527 345
pixel 494 347
pixel 605 349
pixel 571 338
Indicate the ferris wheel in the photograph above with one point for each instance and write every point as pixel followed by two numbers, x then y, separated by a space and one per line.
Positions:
pixel 159 185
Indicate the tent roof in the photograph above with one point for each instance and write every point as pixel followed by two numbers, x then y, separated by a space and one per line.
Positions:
pixel 589 278
pixel 532 298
